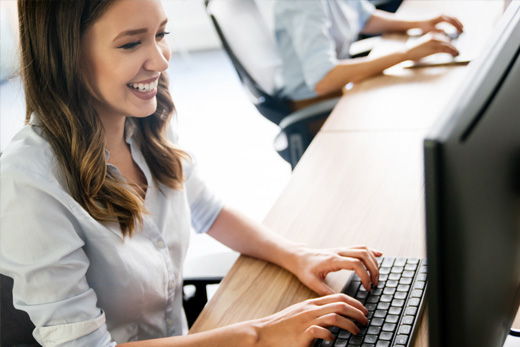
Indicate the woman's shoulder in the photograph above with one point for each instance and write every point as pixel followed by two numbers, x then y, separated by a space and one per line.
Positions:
pixel 29 153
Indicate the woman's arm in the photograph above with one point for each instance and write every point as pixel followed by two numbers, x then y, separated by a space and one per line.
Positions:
pixel 298 325
pixel 381 22
pixel 309 265
pixel 357 69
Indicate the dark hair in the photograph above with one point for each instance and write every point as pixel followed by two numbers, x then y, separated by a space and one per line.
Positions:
pixel 50 43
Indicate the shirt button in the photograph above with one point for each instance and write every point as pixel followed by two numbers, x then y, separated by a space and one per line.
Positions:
pixel 160 244
pixel 171 285
pixel 169 322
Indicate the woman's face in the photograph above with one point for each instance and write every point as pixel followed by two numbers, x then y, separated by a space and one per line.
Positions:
pixel 124 52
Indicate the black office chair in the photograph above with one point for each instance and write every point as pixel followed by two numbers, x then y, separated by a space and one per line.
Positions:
pixel 15 326
pixel 253 52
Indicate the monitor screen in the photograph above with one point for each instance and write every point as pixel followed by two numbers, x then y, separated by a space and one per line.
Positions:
pixel 472 179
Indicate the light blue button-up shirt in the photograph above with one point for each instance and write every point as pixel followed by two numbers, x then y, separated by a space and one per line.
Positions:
pixel 312 35
pixel 80 281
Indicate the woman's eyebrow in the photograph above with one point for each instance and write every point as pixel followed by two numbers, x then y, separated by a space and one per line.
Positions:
pixel 136 31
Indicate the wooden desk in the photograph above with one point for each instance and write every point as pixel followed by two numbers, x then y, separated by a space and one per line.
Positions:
pixel 360 182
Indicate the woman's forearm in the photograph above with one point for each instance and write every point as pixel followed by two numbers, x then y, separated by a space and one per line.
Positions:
pixel 248 237
pixel 355 70
pixel 381 22
pixel 240 335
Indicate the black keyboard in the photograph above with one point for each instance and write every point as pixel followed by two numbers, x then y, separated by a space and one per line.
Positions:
pixel 394 306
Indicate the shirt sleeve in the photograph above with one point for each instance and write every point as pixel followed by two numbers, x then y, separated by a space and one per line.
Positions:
pixel 307 24
pixel 41 249
pixel 205 205
pixel 365 10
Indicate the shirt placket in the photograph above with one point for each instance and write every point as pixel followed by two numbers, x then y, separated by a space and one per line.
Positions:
pixel 153 233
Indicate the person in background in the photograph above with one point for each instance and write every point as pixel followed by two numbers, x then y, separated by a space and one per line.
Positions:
pixel 97 199
pixel 314 38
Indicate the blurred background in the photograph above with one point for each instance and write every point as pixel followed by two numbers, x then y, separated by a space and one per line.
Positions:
pixel 215 119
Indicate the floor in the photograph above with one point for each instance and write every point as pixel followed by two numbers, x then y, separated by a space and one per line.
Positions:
pixel 232 142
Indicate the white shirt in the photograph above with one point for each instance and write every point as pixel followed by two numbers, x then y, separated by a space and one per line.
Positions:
pixel 80 281
pixel 312 35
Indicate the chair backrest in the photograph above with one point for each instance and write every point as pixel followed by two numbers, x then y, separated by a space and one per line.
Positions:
pixel 251 47
pixel 15 325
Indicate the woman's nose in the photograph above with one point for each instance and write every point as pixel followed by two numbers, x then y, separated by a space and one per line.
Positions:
pixel 158 58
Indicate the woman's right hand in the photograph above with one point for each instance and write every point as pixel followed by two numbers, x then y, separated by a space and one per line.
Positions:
pixel 429 44
pixel 300 324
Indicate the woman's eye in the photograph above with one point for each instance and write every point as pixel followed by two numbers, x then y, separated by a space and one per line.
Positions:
pixel 163 34
pixel 130 45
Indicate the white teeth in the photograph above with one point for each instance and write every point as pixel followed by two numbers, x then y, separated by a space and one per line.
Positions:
pixel 144 88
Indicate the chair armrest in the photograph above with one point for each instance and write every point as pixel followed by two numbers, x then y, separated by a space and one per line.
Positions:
pixel 309 112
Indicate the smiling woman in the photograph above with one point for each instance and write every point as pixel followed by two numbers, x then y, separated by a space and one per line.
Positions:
pixel 97 199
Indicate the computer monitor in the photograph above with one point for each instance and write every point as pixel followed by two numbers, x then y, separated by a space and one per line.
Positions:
pixel 472 179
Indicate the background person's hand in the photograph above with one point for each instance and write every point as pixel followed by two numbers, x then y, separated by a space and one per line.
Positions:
pixel 313 265
pixel 299 324
pixel 430 44
pixel 432 24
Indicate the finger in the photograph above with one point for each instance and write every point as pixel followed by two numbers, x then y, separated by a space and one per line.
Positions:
pixel 320 287
pixel 338 321
pixel 317 332
pixel 446 47
pixel 453 21
pixel 368 259
pixel 359 268
pixel 340 297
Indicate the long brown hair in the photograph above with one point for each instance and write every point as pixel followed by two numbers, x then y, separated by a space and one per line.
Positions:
pixel 50 43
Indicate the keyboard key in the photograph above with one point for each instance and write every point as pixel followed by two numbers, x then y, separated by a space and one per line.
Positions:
pixel 394 277
pixel 417 293
pixel 406 280
pixel 370 339
pixel 368 345
pixel 377 322
pixel 410 267
pixel 377 291
pixel 356 340
pixel 397 269
pixel 352 288
pixel 383 306
pixel 408 319
pixel 401 295
pixel 422 277
pixel 396 310
pixel 402 339
pixel 389 327
pixel 403 288
pixel 387 298
pixel 408 273
pixel 371 307
pixel 392 318
pixel 423 269
pixel 383 343
pixel 419 285
pixel 398 303
pixel 383 277
pixel 388 262
pixel 414 302
pixel 334 330
pixel 389 291
pixel 373 299
pixel 341 343
pixel 400 262
pixel 392 283
pixel 386 336
pixel 326 343
pixel 413 261
pixel 373 331
pixel 380 313
pixel 385 270
pixel 405 329
pixel 344 334
pixel 361 295
pixel 412 311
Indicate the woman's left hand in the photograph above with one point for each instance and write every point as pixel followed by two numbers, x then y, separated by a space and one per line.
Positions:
pixel 313 265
